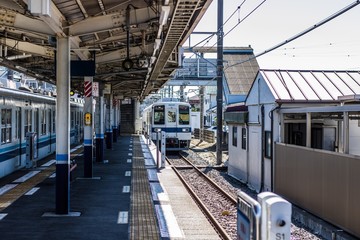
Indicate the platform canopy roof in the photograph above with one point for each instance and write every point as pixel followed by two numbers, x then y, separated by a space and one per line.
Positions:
pixel 147 32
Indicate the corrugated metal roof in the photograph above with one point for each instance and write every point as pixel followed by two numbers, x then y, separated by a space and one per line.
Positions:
pixel 307 85
pixel 240 77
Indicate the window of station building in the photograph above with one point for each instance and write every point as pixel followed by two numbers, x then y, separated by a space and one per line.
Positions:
pixel 6 126
pixel 43 122
pixel 184 115
pixel 234 136
pixel 268 151
pixel 28 121
pixel 171 116
pixel 159 112
pixel 243 138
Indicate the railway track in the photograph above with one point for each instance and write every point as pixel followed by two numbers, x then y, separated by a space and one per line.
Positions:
pixel 218 205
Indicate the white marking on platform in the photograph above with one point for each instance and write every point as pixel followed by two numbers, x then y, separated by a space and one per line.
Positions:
pixel 126 189
pixel 128 161
pixel 158 192
pixel 26 177
pixel 130 145
pixel 73 150
pixel 152 175
pixel 123 218
pixel 32 191
pixel 149 162
pixel 3 215
pixel 127 173
pixel 49 163
pixel 130 149
pixel 147 155
pixel 129 154
pixel 168 225
pixel 80 154
pixel 7 188
pixel 52 175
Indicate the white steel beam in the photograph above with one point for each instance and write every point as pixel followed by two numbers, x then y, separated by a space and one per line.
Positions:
pixel 110 21
pixel 28 47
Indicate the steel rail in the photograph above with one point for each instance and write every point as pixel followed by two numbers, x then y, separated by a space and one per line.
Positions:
pixel 221 231
pixel 233 200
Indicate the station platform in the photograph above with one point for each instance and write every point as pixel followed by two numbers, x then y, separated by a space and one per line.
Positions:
pixel 127 198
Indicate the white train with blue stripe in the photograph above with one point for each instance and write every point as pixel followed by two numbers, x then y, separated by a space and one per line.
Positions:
pixel 172 117
pixel 25 114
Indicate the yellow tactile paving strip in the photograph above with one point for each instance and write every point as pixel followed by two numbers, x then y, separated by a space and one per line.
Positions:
pixel 143 223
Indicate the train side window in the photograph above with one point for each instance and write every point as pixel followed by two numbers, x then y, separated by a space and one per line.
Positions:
pixel 72 119
pixel 17 124
pixel 27 121
pixel 53 122
pixel 43 122
pixel 5 126
pixel 159 112
pixel 36 127
pixel 184 115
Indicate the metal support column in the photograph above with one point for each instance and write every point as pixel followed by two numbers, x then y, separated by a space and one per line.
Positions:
pixel 219 94
pixel 99 128
pixel 88 129
pixel 63 126
pixel 108 123
pixel 115 125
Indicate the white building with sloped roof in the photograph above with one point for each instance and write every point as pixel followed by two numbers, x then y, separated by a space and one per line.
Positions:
pixel 298 134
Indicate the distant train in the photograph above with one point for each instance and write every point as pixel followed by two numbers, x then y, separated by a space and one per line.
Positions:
pixel 172 117
pixel 28 117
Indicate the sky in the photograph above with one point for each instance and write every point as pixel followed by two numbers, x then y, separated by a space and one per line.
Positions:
pixel 333 46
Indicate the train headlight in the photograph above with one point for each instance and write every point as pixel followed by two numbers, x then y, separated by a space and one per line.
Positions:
pixel 185 129
pixel 157 129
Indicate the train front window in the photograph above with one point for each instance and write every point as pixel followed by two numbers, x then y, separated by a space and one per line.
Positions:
pixel 171 116
pixel 159 113
pixel 184 115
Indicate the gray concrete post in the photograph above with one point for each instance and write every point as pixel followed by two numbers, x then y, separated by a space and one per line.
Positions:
pixel 63 126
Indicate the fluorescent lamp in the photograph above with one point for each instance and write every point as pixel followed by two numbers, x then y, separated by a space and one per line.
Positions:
pixel 164 15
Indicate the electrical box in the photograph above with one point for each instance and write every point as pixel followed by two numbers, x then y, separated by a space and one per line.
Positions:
pixel 39 7
pixel 248 217
pixel 275 217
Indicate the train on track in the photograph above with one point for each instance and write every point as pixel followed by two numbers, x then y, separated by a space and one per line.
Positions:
pixel 172 117
pixel 28 128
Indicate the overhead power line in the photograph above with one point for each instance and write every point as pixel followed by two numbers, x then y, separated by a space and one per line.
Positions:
pixel 328 19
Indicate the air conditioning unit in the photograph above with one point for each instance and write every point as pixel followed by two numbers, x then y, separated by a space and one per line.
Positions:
pixel 39 7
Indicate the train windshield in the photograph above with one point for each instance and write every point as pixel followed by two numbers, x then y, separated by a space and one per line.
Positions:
pixel 184 114
pixel 159 113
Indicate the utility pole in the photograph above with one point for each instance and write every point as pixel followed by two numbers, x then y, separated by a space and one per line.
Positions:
pixel 219 94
